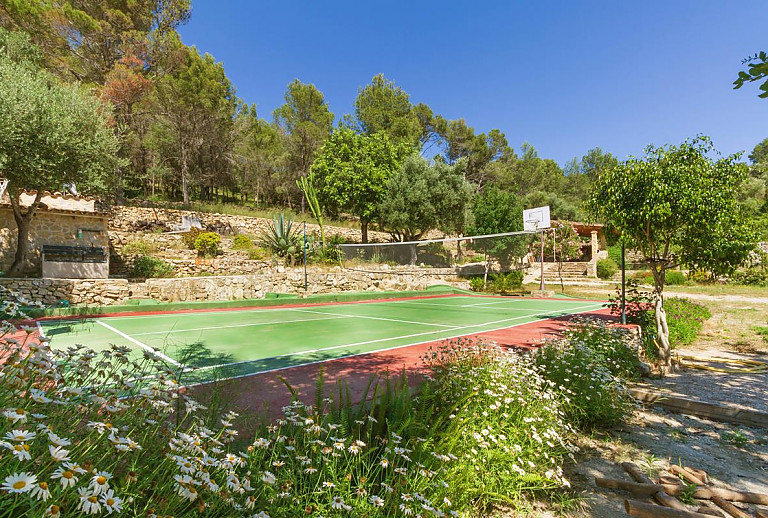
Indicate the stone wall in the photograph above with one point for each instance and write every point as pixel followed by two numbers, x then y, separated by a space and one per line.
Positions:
pixel 230 287
pixel 132 219
pixel 49 228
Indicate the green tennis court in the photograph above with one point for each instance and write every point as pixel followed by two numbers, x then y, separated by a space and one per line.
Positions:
pixel 236 342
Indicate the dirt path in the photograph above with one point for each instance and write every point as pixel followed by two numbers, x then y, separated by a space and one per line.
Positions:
pixel 735 457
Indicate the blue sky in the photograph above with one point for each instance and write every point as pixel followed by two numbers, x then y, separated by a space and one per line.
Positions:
pixel 565 76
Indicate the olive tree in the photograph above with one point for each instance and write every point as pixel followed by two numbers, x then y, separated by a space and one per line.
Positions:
pixel 421 197
pixel 677 206
pixel 50 135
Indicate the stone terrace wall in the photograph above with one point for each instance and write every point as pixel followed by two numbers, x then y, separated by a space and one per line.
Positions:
pixel 230 287
pixel 131 219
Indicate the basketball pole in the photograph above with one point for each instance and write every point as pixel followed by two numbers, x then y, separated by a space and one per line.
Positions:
pixel 304 246
pixel 541 284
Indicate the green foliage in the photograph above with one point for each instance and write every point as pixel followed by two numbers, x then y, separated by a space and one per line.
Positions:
pixel 755 273
pixel 761 331
pixel 675 278
pixel 198 102
pixel 351 172
pixel 307 123
pixel 590 366
pixel 735 437
pixel 757 71
pixel 242 242
pixel 495 409
pixel 421 197
pixel 307 188
pixel 146 267
pixel 381 106
pixel 495 211
pixel 504 283
pixel 606 268
pixel 139 246
pixel 677 205
pixel 256 253
pixel 282 239
pixel 190 236
pixel 614 253
pixel 207 244
pixel 685 319
pixel 476 284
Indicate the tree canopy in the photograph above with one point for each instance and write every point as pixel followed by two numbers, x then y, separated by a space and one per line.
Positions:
pixel 50 135
pixel 677 206
pixel 421 197
pixel 351 173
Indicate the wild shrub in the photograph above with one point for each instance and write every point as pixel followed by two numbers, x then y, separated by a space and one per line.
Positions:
pixel 606 268
pixel 145 267
pixel 256 253
pixel 685 319
pixel 139 246
pixel 589 366
pixel 476 284
pixel 207 244
pixel 504 283
pixel 242 242
pixel 500 418
pixel 675 278
pixel 190 236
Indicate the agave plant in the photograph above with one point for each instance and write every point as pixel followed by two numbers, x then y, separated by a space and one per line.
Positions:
pixel 281 238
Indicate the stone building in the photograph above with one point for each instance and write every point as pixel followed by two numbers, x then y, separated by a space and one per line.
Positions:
pixel 61 220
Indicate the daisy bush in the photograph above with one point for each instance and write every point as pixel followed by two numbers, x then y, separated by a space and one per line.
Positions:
pixel 589 367
pixel 101 433
pixel 502 419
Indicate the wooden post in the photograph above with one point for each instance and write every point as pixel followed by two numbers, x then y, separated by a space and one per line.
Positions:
pixel 661 497
pixel 643 510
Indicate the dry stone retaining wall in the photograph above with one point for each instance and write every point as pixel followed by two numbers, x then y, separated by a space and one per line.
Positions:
pixel 230 287
pixel 131 219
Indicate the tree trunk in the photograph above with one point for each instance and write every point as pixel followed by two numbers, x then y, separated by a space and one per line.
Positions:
pixel 23 222
pixel 364 230
pixel 662 333
pixel 184 172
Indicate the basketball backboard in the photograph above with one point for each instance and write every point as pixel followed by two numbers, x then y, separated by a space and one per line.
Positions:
pixel 536 219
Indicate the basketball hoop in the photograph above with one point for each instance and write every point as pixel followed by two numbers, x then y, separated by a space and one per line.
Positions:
pixel 3 185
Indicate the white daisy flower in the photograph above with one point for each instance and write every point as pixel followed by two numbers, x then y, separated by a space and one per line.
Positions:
pixel 377 501
pixel 100 482
pixel 187 491
pixel 41 491
pixel 19 482
pixel 16 415
pixel 111 502
pixel 89 502
pixel 21 451
pixel 65 476
pixel 337 503
pixel 20 435
pixel 268 478
pixel 58 453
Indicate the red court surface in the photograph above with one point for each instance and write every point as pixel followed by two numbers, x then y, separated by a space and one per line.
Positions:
pixel 267 394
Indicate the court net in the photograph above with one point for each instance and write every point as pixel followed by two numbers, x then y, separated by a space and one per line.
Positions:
pixel 504 249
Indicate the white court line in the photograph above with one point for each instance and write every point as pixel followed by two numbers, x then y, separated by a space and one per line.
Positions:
pixel 277 369
pixel 40 330
pixel 488 303
pixel 167 332
pixel 142 345
pixel 372 318
pixel 455 328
